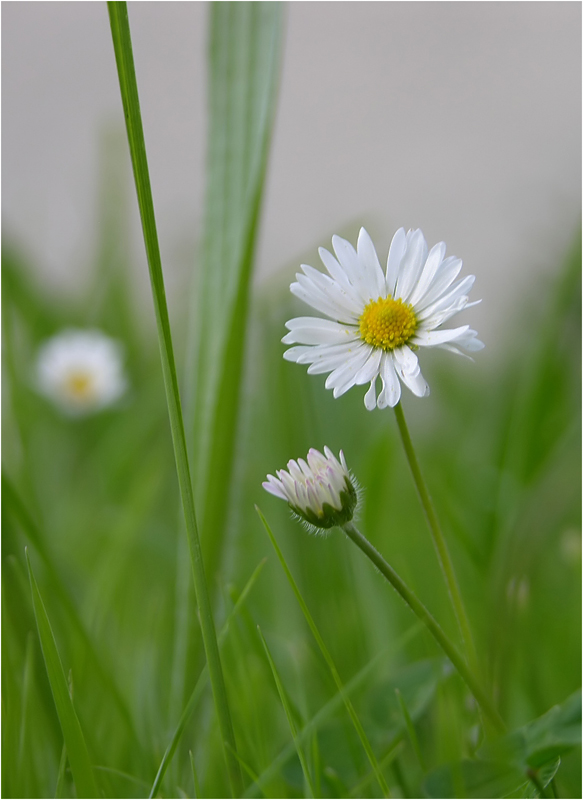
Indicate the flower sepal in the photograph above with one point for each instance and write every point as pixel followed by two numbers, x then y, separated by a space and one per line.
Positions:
pixel 330 517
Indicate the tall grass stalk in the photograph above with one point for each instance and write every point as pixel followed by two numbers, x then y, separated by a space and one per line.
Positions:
pixel 120 29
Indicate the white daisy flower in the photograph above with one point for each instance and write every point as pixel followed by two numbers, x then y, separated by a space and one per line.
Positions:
pixel 321 491
pixel 377 321
pixel 81 371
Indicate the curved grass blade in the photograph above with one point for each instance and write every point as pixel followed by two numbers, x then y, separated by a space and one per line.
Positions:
pixel 328 658
pixel 289 715
pixel 73 735
pixel 15 505
pixel 200 684
pixel 120 30
pixel 331 707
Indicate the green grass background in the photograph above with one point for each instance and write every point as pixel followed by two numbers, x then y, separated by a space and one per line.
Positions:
pixel 96 501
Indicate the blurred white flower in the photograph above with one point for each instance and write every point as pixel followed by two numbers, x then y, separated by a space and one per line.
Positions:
pixel 321 491
pixel 378 320
pixel 81 371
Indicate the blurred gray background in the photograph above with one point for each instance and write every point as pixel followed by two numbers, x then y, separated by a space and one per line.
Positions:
pixel 461 118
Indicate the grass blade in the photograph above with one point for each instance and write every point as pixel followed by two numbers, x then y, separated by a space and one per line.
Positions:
pixel 244 57
pixel 411 730
pixel 331 707
pixel 194 775
pixel 73 735
pixel 289 715
pixel 200 684
pixel 15 505
pixel 120 30
pixel 328 658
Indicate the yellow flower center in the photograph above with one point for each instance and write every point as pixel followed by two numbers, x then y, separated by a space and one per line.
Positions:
pixel 79 385
pixel 387 323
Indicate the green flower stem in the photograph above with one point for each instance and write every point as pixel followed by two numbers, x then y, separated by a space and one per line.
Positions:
pixel 438 540
pixel 431 624
pixel 120 30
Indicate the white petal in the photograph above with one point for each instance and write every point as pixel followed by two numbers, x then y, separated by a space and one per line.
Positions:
pixel 346 374
pixel 295 471
pixel 337 272
pixel 470 342
pixel 433 338
pixel 396 253
pixel 416 383
pixel 315 330
pixel 289 484
pixel 273 486
pixel 405 360
pixel 453 349
pixel 437 318
pixel 348 258
pixel 432 264
pixel 323 305
pixel 371 367
pixel 370 398
pixel 305 468
pixel 329 287
pixel 444 277
pixel 324 358
pixel 327 362
pixel 391 391
pixel 369 259
pixel 460 289
pixel 295 353
pixel 323 286
pixel 411 266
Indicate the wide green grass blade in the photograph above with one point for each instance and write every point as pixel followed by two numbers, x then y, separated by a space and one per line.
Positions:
pixel 120 30
pixel 289 714
pixel 244 59
pixel 77 753
pixel 328 658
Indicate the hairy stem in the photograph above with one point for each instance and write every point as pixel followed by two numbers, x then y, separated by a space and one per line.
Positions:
pixel 438 540
pixel 430 623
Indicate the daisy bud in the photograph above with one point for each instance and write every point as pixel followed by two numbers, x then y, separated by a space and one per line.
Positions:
pixel 319 490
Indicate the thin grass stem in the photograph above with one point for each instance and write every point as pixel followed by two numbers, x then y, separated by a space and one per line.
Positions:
pixel 199 686
pixel 289 714
pixel 118 15
pixel 328 658
pixel 438 539
pixel 429 621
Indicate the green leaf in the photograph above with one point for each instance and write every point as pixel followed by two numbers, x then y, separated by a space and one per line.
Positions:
pixel 543 740
pixel 244 62
pixel 73 735
pixel 526 759
pixel 474 779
